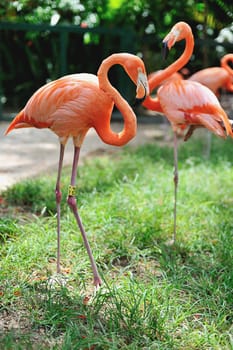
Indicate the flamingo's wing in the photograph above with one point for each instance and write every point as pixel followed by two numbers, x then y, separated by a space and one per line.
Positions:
pixel 57 101
pixel 191 103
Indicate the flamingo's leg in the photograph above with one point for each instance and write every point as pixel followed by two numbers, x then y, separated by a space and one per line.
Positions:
pixel 176 180
pixel 58 203
pixel 71 200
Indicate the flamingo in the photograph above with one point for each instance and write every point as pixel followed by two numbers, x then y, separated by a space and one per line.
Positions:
pixel 216 78
pixel 185 103
pixel 73 104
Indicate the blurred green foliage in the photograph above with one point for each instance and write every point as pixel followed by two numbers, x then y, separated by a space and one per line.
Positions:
pixel 31 58
pixel 97 12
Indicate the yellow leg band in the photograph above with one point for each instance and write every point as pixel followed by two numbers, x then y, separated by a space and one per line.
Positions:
pixel 71 190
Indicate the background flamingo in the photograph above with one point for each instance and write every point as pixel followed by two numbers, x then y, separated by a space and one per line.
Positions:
pixel 185 103
pixel 216 78
pixel 73 104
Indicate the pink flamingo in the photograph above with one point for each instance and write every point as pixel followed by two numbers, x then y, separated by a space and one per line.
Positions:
pixel 185 103
pixel 216 78
pixel 73 104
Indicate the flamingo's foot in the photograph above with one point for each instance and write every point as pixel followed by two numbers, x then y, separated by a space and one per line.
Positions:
pixel 97 282
pixel 171 242
pixel 57 281
pixel 58 269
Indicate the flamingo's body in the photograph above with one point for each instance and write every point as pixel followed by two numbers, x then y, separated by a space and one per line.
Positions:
pixel 192 104
pixel 68 106
pixel 73 104
pixel 186 104
pixel 216 78
pixel 154 103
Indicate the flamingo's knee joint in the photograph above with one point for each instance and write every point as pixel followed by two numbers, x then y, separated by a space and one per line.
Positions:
pixel 58 195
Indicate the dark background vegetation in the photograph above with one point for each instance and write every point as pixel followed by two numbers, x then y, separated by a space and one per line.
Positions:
pixel 84 32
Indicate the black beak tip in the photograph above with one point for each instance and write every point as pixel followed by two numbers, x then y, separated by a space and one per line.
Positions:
pixel 138 101
pixel 164 50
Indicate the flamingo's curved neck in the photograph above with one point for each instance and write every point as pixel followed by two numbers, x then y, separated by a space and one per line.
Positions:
pixel 130 122
pixel 224 63
pixel 175 66
pixel 152 103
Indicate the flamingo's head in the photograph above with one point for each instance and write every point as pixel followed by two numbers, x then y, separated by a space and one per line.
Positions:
pixel 179 31
pixel 135 68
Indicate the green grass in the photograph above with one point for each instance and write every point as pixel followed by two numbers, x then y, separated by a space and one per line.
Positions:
pixel 154 296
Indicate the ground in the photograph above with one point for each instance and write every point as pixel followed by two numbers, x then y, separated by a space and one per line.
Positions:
pixel 29 152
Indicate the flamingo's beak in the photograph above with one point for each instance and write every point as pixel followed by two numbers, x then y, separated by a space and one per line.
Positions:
pixel 165 50
pixel 142 90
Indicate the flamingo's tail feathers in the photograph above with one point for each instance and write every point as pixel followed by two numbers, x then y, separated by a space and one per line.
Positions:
pixel 228 124
pixel 231 124
pixel 20 121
